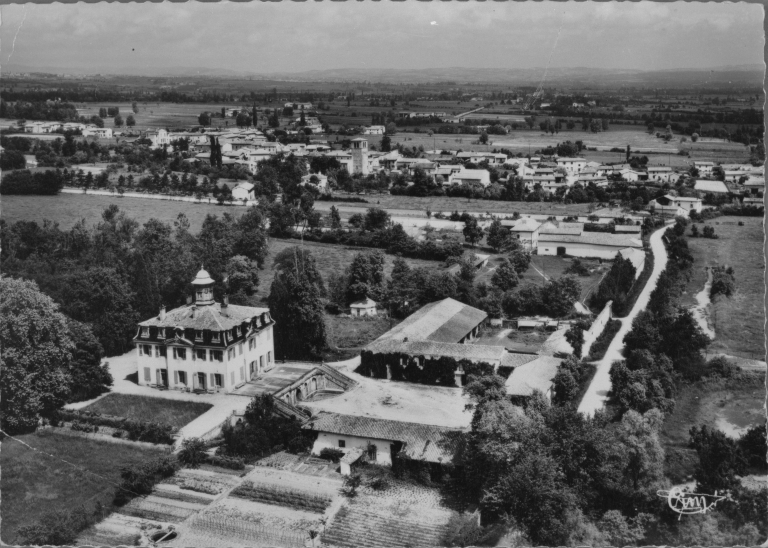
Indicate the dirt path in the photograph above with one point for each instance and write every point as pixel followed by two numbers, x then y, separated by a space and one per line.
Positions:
pixel 700 312
pixel 596 395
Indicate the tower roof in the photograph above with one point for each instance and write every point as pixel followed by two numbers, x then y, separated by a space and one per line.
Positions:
pixel 202 278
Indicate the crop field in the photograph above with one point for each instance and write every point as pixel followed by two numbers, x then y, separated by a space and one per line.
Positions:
pixel 141 408
pixel 739 319
pixel 35 484
pixel 158 115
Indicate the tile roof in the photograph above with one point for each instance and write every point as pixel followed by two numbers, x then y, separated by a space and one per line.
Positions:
pixel 534 375
pixel 526 225
pixel 512 359
pixel 206 317
pixel 490 354
pixel 594 238
pixel 628 229
pixel 363 303
pixel 573 229
pixel 420 441
pixel 442 321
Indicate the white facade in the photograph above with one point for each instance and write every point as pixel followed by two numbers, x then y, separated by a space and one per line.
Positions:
pixel 572 165
pixel 471 176
pixel 374 130
pixel 346 443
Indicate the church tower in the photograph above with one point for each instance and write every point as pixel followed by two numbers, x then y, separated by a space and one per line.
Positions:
pixel 360 156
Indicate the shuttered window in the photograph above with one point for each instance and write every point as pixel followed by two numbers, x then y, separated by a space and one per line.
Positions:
pixel 147 374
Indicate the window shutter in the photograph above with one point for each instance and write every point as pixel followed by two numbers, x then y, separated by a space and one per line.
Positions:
pixel 175 377
pixel 147 374
pixel 213 380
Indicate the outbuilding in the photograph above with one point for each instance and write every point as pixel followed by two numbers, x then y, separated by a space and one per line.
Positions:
pixel 364 307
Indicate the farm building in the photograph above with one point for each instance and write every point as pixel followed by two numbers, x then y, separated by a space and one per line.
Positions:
pixel 717 187
pixel 587 244
pixel 661 174
pixel 442 321
pixel 244 191
pixel 380 439
pixel 705 168
pixel 675 205
pixel 471 176
pixel 572 165
pixel 364 307
pixel 527 231
pixel 537 374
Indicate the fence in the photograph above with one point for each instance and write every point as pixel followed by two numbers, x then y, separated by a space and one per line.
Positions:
pixel 591 335
pixel 248 531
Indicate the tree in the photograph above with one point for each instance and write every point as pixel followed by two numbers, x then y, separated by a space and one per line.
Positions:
pixel 130 121
pixel 521 259
pixel 720 460
pixel 242 278
pixel 135 107
pixel 386 143
pixel 483 138
pixel 505 276
pixel 118 121
pixel 89 377
pixel 243 119
pixel 192 453
pixel 497 235
pixel 36 353
pixel 643 454
pixel 295 302
pixel 375 219
pixel 335 218
pixel 560 294
pixel 391 128
pixel 575 336
pixel 102 112
pixel 473 232
pixel 365 276
pixel 204 119
pixel 12 159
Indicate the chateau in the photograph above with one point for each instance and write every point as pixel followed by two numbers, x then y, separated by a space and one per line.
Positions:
pixel 205 345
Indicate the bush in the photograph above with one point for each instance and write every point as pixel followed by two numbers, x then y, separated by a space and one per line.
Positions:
pixel 601 344
pixel 140 479
pixel 57 528
pixel 351 483
pixel 721 367
pixel 723 281
pixel 192 453
pixel 331 453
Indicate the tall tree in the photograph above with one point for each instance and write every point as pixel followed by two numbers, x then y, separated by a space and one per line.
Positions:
pixel 365 276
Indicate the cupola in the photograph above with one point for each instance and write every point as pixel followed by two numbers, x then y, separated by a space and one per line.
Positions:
pixel 203 285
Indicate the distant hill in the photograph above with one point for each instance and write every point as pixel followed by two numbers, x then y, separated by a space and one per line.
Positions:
pixel 574 76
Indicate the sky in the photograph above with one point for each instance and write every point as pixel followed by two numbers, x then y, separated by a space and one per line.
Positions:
pixel 265 37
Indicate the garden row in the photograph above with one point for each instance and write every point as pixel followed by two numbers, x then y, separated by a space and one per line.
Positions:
pixel 84 421
pixel 283 496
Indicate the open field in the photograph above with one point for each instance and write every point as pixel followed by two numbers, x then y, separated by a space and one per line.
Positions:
pixel 739 319
pixel 34 484
pixel 68 209
pixel 731 406
pixel 347 335
pixel 141 408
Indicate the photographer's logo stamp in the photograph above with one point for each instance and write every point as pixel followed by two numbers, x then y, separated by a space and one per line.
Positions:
pixel 683 502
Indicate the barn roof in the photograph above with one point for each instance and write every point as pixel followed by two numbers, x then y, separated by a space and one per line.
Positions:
pixel 537 374
pixel 593 238
pixel 420 441
pixel 442 321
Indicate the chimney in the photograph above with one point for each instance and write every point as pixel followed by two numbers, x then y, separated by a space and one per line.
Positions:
pixel 161 317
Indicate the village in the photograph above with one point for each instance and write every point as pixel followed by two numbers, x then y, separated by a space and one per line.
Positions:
pixel 402 307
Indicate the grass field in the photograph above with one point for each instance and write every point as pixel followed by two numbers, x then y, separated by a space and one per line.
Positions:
pixel 347 335
pixel 739 319
pixel 512 339
pixel 34 484
pixel 141 408
pixel 731 406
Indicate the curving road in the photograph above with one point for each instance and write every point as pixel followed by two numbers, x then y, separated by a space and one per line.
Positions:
pixel 597 393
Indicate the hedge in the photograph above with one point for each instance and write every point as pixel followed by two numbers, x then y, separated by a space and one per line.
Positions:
pixel 152 432
pixel 233 463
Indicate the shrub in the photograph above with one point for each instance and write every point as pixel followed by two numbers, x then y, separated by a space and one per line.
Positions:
pixel 721 367
pixel 601 344
pixel 351 483
pixel 331 453
pixel 192 453
pixel 723 281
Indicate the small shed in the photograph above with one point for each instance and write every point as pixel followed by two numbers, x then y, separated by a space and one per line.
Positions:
pixel 364 307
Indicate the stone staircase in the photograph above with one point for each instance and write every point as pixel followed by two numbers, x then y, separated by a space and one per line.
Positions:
pixel 355 526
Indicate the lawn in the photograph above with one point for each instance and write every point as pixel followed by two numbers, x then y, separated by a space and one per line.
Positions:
pixel 554 267
pixel 731 406
pixel 142 408
pixel 34 484
pixel 347 335
pixel 739 319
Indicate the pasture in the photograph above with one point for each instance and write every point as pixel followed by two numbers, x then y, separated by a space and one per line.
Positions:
pixel 35 484
pixel 738 320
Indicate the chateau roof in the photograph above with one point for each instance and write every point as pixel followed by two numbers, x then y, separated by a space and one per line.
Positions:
pixel 212 317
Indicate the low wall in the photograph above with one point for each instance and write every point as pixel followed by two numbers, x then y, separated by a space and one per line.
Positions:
pixel 145 196
pixel 597 327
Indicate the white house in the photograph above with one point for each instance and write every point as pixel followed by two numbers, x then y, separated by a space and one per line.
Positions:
pixel 317 180
pixel 675 205
pixel 374 130
pixel 660 174
pixel 572 165
pixel 159 138
pixel 204 345
pixel 102 132
pixel 244 191
pixel 364 307
pixel 471 176
pixel 705 168
pixel 527 231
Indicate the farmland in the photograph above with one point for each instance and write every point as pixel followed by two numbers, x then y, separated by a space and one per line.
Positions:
pixel 35 484
pixel 142 408
pixel 739 319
